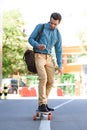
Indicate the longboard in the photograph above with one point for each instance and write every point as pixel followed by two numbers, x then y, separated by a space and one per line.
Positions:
pixel 40 115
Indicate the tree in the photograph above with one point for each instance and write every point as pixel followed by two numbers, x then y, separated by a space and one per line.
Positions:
pixel 14 43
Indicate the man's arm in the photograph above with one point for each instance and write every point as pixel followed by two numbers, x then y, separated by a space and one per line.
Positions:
pixel 32 38
pixel 58 52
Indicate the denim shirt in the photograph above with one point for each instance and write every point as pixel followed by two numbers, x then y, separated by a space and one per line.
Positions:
pixel 49 38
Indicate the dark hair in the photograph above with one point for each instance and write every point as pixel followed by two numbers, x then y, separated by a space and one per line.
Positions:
pixel 56 16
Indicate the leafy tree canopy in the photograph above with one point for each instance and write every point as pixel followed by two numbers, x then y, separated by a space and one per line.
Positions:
pixel 14 43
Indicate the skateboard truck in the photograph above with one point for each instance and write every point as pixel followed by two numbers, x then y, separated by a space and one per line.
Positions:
pixel 40 115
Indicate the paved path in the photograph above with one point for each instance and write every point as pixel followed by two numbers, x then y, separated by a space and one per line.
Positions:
pixel 69 114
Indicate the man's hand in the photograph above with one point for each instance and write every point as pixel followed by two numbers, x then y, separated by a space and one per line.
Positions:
pixel 41 47
pixel 60 71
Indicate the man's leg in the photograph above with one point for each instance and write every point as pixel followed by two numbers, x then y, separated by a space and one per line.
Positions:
pixel 40 61
pixel 50 79
pixel 50 75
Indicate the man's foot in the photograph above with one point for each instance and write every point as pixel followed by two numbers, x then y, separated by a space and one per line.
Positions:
pixel 49 109
pixel 43 108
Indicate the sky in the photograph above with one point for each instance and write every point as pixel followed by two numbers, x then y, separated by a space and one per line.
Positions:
pixel 39 11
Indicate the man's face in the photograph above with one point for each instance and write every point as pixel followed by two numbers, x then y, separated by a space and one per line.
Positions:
pixel 53 23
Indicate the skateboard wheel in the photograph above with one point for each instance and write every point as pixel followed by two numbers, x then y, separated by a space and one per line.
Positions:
pixel 50 113
pixel 34 117
pixel 49 117
pixel 37 114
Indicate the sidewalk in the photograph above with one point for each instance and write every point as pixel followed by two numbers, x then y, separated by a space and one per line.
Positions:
pixel 53 95
pixel 16 96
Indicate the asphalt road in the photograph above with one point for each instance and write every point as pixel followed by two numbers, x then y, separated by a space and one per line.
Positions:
pixel 69 114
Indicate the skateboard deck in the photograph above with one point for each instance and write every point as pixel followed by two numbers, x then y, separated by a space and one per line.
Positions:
pixel 42 115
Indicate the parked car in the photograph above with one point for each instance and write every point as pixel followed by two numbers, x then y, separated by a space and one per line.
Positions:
pixel 12 85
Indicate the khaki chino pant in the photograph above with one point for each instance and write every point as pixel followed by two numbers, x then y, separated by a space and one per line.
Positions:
pixel 45 69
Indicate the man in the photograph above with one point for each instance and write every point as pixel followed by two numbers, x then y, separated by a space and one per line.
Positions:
pixel 43 47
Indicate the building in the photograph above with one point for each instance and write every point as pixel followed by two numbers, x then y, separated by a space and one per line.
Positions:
pixel 74 62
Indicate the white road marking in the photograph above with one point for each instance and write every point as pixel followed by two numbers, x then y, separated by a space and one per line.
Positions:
pixel 45 124
pixel 63 104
